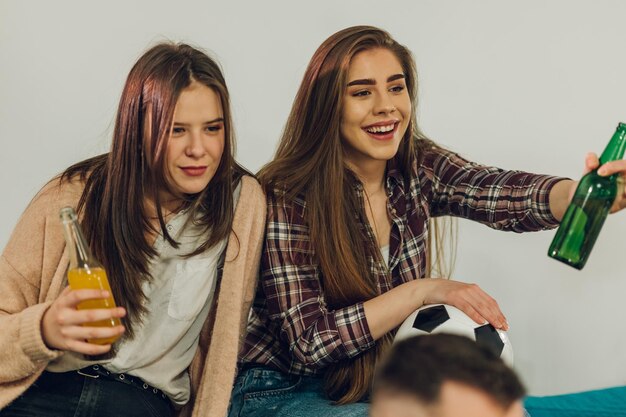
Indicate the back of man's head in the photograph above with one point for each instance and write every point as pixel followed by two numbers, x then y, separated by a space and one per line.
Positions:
pixel 445 375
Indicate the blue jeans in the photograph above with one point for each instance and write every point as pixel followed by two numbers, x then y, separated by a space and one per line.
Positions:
pixel 71 394
pixel 260 392
pixel 610 402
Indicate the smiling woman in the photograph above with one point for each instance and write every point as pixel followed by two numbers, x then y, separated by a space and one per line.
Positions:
pixel 161 211
pixel 351 193
pixel 377 108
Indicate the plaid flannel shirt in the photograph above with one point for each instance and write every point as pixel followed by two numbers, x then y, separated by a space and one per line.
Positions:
pixel 292 329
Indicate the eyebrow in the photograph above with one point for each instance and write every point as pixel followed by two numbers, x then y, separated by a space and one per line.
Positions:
pixel 219 119
pixel 371 81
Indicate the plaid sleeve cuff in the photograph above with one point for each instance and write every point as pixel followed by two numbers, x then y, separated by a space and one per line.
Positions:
pixel 353 330
pixel 541 197
pixel 331 337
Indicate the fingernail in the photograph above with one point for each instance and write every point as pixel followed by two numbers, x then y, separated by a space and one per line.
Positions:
pixel 105 293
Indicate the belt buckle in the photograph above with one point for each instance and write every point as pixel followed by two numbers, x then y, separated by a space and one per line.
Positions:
pixel 84 372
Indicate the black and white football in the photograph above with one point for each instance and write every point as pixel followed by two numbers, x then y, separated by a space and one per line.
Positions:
pixel 441 318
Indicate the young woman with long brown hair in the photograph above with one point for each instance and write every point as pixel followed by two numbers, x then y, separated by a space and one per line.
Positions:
pixel 350 192
pixel 162 211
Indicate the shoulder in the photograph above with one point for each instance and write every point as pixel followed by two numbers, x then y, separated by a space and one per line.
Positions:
pixel 56 194
pixel 249 219
pixel 432 153
pixel 280 196
pixel 251 191
pixel 435 158
pixel 251 205
pixel 285 209
pixel 251 197
pixel 38 232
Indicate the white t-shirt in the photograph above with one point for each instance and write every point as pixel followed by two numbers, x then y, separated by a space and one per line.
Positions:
pixel 384 250
pixel 179 298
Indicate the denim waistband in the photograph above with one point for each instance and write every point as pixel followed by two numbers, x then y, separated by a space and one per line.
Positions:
pixel 97 371
pixel 251 365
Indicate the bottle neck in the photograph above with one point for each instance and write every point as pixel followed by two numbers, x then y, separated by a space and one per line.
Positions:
pixel 78 249
pixel 616 147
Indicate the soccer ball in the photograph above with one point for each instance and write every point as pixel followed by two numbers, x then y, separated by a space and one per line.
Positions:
pixel 441 318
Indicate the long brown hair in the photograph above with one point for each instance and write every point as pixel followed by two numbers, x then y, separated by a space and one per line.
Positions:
pixel 309 161
pixel 115 218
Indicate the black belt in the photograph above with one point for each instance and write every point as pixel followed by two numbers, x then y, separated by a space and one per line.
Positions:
pixel 97 371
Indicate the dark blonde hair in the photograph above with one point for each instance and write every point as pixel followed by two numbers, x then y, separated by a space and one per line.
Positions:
pixel 309 161
pixel 115 219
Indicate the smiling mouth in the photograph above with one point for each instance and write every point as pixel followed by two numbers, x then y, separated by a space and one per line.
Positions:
pixel 382 132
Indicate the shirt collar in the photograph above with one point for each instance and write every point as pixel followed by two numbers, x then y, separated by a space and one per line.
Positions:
pixel 394 175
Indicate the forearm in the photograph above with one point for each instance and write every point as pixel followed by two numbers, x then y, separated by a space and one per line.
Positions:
pixel 318 337
pixel 345 333
pixel 560 198
pixel 502 199
pixel 387 311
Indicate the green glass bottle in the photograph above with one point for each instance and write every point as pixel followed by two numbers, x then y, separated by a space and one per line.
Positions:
pixel 588 209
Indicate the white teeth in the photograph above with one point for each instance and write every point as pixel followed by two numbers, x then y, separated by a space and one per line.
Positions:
pixel 380 129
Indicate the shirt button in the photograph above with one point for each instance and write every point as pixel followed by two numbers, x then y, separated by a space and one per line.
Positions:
pixel 169 227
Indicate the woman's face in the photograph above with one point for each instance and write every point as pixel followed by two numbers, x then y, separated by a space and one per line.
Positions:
pixel 377 108
pixel 196 140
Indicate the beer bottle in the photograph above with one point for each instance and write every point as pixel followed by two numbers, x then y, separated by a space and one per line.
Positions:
pixel 85 272
pixel 588 209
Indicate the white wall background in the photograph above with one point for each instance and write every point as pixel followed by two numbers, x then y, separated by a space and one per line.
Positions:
pixel 530 85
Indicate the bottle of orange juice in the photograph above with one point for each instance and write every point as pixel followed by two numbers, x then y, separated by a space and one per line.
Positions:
pixel 85 272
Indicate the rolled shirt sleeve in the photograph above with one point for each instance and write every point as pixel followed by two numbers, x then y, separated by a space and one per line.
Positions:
pixel 315 334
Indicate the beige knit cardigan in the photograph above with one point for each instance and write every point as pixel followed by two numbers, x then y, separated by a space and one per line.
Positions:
pixel 32 269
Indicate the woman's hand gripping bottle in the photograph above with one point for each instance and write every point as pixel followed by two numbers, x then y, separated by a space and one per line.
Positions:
pixel 588 209
pixel 85 272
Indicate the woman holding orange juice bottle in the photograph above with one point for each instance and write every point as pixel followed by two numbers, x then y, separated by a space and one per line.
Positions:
pixel 161 214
